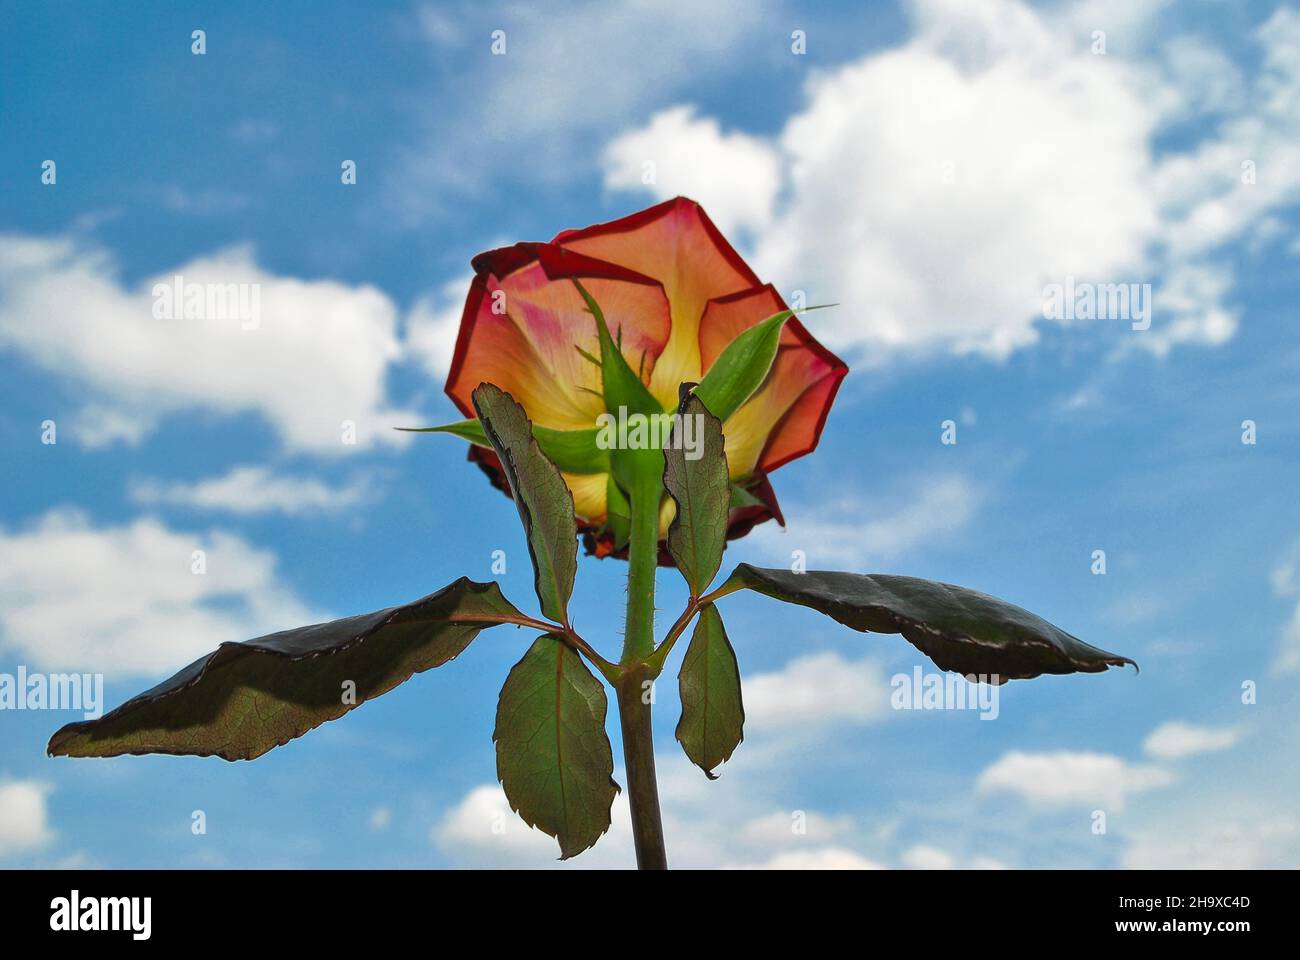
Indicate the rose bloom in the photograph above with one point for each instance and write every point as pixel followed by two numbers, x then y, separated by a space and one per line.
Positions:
pixel 674 293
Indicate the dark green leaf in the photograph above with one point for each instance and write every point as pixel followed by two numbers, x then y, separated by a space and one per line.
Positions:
pixel 553 757
pixel 544 500
pixel 245 698
pixel 573 451
pixel 713 717
pixel 700 487
pixel 959 629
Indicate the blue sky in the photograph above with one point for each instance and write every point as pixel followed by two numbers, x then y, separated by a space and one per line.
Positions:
pixel 930 168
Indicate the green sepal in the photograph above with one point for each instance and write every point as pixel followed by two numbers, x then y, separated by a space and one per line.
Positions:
pixel 573 451
pixel 742 367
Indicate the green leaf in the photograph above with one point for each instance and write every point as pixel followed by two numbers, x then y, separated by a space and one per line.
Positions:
pixel 573 451
pixel 959 629
pixel 713 717
pixel 696 479
pixel 622 386
pixel 246 698
pixel 741 498
pixel 553 756
pixel 543 498
pixel 742 367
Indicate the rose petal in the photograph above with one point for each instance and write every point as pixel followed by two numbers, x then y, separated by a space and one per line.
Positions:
pixel 588 489
pixel 524 320
pixel 726 318
pixel 676 243
pixel 739 522
pixel 784 417
pixel 588 495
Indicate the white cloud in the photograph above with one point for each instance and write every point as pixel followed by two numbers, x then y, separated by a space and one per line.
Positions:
pixel 735 176
pixel 1175 739
pixel 538 100
pixel 1286 583
pixel 250 490
pixel 823 858
pixel 1190 308
pixel 1253 843
pixel 935 188
pixel 1288 657
pixel 922 857
pixel 316 358
pixel 483 830
pixel 432 325
pixel 1205 80
pixel 98 426
pixel 123 599
pixel 24 819
pixel 1064 778
pixel 814 692
pixel 700 825
pixel 380 818
pixel 787 828
pixel 204 203
pixel 1285 577
pixel 861 535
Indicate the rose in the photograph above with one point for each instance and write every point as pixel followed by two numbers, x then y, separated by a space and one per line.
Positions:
pixel 674 293
pixel 687 311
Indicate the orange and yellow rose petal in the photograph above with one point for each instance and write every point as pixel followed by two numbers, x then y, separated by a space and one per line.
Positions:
pixel 676 243
pixel 525 321
pixel 677 293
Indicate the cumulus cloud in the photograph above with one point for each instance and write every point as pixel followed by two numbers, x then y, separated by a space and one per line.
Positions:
pixel 782 828
pixel 538 99
pixel 314 356
pixel 1065 778
pixel 250 490
pixel 935 188
pixel 824 858
pixel 816 691
pixel 1254 842
pixel 482 830
pixel 1175 739
pixel 860 534
pixel 705 831
pixel 923 857
pixel 432 325
pixel 24 818
pixel 1288 657
pixel 678 153
pixel 1285 580
pixel 124 600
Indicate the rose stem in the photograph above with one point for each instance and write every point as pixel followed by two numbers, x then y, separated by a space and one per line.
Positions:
pixel 634 687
